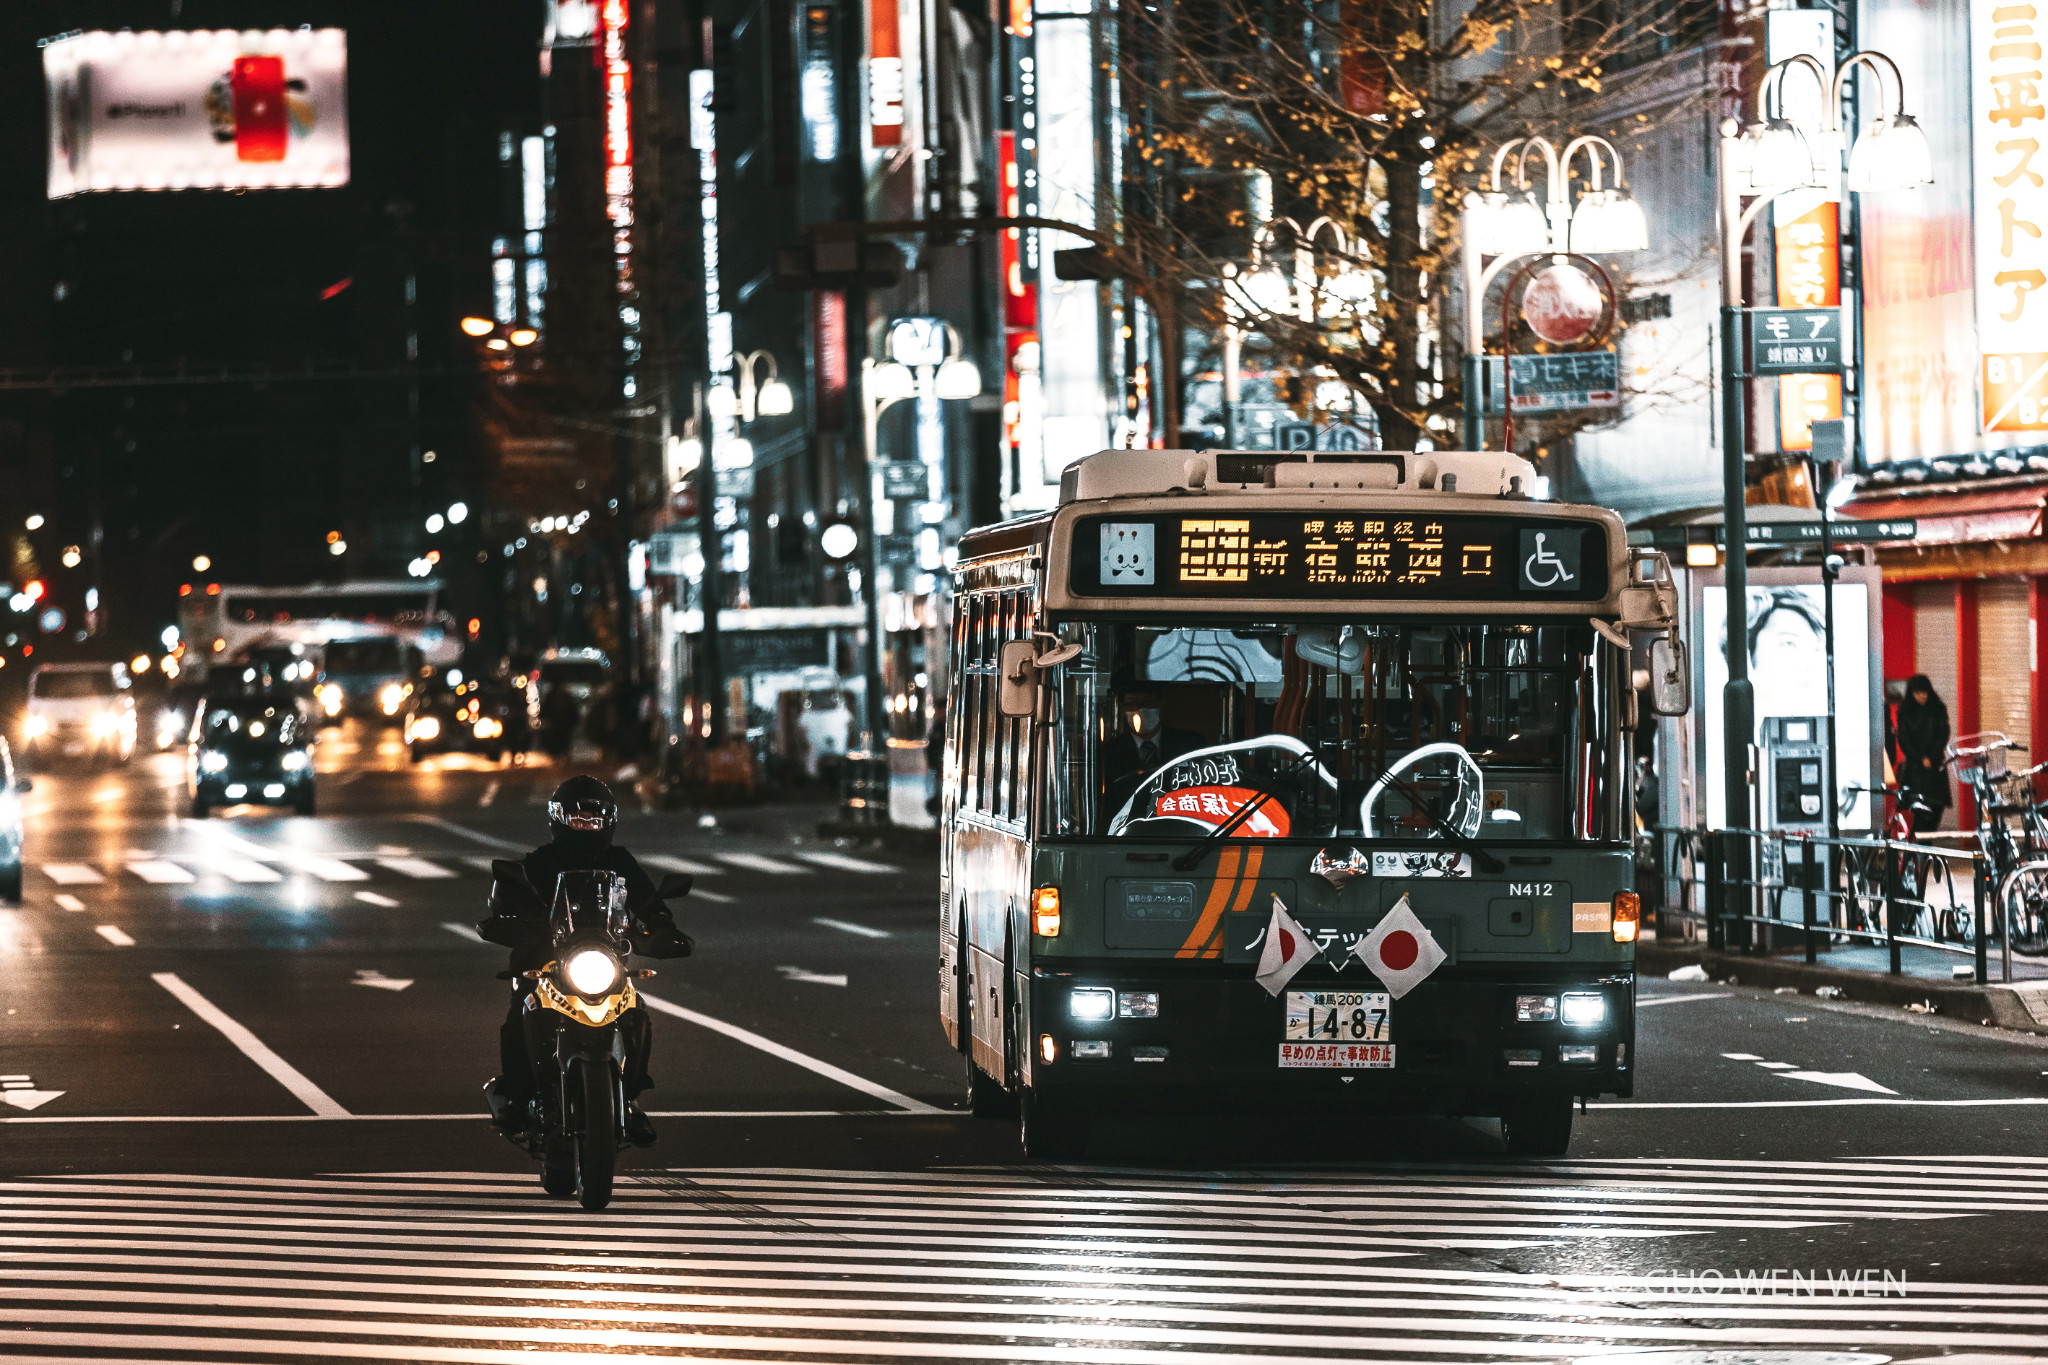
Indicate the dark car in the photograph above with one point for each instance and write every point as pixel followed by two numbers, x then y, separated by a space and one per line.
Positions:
pixel 465 716
pixel 256 749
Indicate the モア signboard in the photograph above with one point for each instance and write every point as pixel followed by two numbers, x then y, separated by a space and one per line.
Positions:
pixel 1563 381
pixel 216 109
pixel 1795 340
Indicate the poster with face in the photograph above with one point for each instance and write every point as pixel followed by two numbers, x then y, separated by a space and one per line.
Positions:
pixel 1788 656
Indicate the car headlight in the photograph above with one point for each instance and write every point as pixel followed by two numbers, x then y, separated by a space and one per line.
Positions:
pixel 391 698
pixel 38 725
pixel 297 761
pixel 591 971
pixel 1092 1003
pixel 426 727
pixel 1583 1011
pixel 213 761
pixel 330 698
pixel 105 723
pixel 487 728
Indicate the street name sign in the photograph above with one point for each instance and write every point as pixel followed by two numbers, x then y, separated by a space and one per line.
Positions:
pixel 1795 340
pixel 1563 382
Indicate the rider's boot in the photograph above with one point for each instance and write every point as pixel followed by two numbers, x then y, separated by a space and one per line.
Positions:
pixel 639 1128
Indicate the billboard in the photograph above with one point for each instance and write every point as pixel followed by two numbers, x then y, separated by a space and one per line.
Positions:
pixel 216 109
pixel 2009 184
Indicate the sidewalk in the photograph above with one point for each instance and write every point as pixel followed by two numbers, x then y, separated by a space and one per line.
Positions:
pixel 1860 973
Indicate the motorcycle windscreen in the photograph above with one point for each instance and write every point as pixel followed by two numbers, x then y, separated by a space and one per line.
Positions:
pixel 589 899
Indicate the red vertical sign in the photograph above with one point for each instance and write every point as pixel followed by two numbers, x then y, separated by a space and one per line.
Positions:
pixel 1809 276
pixel 885 74
pixel 828 349
pixel 1361 69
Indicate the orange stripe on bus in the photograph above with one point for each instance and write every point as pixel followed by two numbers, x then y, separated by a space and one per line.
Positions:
pixel 1213 946
pixel 1212 909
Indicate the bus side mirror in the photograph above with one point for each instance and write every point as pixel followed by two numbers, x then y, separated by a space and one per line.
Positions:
pixel 1670 676
pixel 1019 662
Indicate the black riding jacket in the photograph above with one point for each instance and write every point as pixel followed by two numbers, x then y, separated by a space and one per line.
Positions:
pixel 655 932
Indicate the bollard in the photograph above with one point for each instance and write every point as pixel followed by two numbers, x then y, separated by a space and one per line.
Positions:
pixel 1807 876
pixel 1983 937
pixel 1894 873
pixel 1717 909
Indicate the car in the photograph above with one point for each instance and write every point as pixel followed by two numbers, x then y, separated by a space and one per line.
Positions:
pixel 80 711
pixel 10 824
pixel 369 676
pixel 448 713
pixel 256 749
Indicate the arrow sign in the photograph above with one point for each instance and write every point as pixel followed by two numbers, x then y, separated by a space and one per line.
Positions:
pixel 799 974
pixel 29 1099
pixel 370 976
pixel 1848 1080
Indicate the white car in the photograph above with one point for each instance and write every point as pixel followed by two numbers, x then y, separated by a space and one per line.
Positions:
pixel 80 711
pixel 12 784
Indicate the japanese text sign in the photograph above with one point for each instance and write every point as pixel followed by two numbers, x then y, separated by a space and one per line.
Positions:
pixel 2009 187
pixel 1795 340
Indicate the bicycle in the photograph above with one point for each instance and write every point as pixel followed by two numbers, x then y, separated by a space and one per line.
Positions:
pixel 1901 877
pixel 2016 870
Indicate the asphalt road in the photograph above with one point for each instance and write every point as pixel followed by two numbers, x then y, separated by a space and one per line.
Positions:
pixel 240 1119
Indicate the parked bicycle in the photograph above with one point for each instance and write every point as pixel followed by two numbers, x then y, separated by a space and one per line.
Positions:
pixel 2016 859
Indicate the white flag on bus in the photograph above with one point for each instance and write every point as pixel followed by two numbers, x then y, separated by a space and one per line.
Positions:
pixel 1288 949
pixel 1400 951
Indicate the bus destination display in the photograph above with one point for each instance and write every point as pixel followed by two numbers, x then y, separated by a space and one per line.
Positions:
pixel 1370 554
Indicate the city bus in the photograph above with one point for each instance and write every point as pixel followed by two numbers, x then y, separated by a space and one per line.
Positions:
pixel 367 637
pixel 1210 689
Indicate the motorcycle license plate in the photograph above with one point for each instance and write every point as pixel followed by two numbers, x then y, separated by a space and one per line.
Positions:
pixel 1336 1017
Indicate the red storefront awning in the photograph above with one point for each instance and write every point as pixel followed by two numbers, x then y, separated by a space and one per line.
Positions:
pixel 1961 517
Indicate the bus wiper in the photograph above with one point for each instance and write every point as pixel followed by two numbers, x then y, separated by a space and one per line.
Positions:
pixel 1485 861
pixel 1186 861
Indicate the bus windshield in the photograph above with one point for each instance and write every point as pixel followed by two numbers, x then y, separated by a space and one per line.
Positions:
pixel 1383 730
pixel 364 656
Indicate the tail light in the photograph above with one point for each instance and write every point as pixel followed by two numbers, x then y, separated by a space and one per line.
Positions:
pixel 1045 912
pixel 1628 916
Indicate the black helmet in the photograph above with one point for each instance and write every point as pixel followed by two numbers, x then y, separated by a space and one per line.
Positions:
pixel 582 814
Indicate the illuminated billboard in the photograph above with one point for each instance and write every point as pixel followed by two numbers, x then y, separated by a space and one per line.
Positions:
pixel 217 109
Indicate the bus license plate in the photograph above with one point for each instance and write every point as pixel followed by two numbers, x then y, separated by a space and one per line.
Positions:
pixel 1336 1017
pixel 1337 1056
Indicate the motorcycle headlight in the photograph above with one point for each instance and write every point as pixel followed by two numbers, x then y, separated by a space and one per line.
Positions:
pixel 213 761
pixel 426 727
pixel 591 971
pixel 297 761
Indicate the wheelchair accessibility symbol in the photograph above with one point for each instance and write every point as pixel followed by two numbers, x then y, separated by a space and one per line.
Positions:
pixel 1550 559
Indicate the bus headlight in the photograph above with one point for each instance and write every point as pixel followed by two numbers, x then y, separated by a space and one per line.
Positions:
pixel 1583 1011
pixel 1092 1004
pixel 1045 912
pixel 213 761
pixel 591 971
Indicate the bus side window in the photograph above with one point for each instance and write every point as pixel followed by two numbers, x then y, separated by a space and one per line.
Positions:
pixel 1020 726
pixel 975 610
pixel 1002 626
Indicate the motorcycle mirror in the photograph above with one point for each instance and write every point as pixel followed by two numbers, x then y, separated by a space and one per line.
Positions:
pixel 675 884
pixel 510 870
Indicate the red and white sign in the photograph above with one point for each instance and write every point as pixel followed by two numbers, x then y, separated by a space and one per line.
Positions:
pixel 214 109
pixel 885 74
pixel 1563 304
pixel 1337 1056
pixel 1288 949
pixel 1400 951
pixel 2009 184
pixel 1215 805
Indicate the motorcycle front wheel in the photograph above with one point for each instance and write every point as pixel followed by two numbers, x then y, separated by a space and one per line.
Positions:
pixel 558 1178
pixel 597 1140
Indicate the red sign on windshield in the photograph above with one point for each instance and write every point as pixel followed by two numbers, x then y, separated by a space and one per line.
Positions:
pixel 1214 805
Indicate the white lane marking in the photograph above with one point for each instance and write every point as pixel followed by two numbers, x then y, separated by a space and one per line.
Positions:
pixel 816 979
pixel 760 862
pixel 1742 1056
pixel 67 901
pixel 464 930
pixel 715 897
pixel 112 794
pixel 330 869
pixel 115 936
pixel 1643 1003
pixel 326 869
pixel 845 863
pixel 471 1116
pixel 479 836
pixel 252 1047
pixel 1847 1080
pixel 247 870
pixel 20 1091
pixel 1777 1066
pixel 490 793
pixel 157 872
pixel 477 860
pixel 372 898
pixel 370 976
pixel 663 862
pixel 419 869
pixel 72 874
pixel 790 1054
pixel 2016 1102
pixel 848 927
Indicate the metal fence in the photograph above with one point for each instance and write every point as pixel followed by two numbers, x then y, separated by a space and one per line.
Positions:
pixel 1744 889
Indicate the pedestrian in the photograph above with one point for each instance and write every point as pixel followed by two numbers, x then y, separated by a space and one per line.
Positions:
pixel 1923 735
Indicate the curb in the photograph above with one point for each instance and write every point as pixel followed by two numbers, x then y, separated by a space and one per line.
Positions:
pixel 2022 1007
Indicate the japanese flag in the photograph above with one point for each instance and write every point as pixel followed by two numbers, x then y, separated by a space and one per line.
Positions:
pixel 1400 951
pixel 1288 950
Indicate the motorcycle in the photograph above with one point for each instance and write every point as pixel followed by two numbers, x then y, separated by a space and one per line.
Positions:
pixel 575 1126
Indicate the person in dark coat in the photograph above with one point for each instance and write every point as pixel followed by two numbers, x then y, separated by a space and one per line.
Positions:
pixel 1923 734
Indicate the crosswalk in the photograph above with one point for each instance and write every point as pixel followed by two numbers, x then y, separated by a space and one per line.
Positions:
pixel 1119 1268
pixel 248 863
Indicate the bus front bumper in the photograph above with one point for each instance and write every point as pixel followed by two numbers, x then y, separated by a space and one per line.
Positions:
pixel 1467 1042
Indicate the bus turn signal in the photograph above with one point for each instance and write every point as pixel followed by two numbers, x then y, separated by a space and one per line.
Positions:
pixel 1628 916
pixel 1045 912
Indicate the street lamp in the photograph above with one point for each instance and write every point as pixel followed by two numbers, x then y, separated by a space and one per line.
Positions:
pixel 769 398
pixel 1263 291
pixel 1508 224
pixel 1770 158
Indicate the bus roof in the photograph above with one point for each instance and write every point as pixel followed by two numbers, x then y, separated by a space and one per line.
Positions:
pixel 354 588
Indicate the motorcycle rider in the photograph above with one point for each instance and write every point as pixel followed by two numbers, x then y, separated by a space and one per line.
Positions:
pixel 582 817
